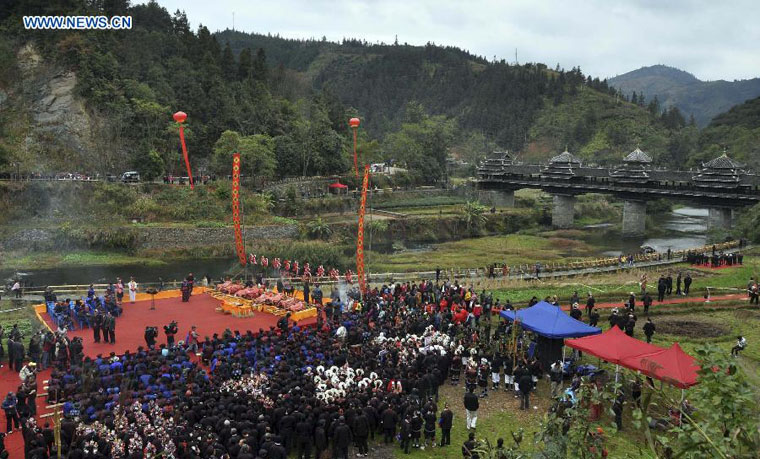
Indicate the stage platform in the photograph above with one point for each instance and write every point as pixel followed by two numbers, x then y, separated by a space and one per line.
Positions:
pixel 199 311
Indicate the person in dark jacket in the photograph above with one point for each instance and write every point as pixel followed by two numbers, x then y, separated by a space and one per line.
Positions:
pixel 342 439
pixel 468 448
pixel 590 303
pixel 361 433
pixel 18 355
pixel 429 429
pixel 686 284
pixel 526 385
pixel 649 330
pixel 669 284
pixel 617 408
pixel 97 324
pixel 406 433
pixel 471 405
pixel 388 422
pixel 304 429
pixel 320 439
pixel 593 318
pixel 11 413
pixel 277 450
pixel 661 288
pixel 416 429
pixel 647 302
pixel 446 421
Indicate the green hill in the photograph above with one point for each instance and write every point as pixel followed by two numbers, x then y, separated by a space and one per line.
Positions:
pixel 102 102
pixel 737 131
pixel 676 88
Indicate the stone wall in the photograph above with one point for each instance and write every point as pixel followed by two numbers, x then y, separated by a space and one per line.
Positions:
pixel 173 238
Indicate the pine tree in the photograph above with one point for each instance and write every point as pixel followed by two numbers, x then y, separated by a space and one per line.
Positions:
pixel 259 71
pixel 228 63
pixel 245 67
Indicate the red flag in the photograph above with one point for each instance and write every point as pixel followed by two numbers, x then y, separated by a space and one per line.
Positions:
pixel 239 246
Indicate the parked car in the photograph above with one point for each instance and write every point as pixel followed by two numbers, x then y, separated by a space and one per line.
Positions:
pixel 130 177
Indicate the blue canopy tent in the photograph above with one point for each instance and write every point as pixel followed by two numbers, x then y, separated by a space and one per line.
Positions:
pixel 549 321
pixel 553 326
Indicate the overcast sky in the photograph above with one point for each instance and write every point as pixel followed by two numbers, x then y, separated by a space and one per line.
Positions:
pixel 715 39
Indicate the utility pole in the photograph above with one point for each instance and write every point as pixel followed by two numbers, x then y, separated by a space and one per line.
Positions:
pixel 233 21
pixel 516 56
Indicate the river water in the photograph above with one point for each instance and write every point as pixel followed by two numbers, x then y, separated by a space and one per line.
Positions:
pixel 681 229
pixel 82 275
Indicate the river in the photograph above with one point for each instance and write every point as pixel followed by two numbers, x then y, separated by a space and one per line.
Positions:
pixel 82 275
pixel 681 229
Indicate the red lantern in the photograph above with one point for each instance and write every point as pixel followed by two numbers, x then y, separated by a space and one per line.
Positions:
pixel 353 122
pixel 180 117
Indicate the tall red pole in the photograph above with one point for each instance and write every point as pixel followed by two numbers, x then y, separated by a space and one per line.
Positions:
pixel 360 235
pixel 354 123
pixel 180 118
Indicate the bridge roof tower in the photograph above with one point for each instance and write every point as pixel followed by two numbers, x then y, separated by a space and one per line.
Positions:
pixel 562 166
pixel 721 172
pixel 635 168
pixel 496 163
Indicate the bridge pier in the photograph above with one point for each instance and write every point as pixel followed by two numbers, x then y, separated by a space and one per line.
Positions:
pixel 718 218
pixel 634 218
pixel 563 211
pixel 497 198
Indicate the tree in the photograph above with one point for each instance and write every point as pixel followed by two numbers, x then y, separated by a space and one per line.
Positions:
pixel 227 144
pixel 228 63
pixel 245 67
pixel 257 156
pixel 150 166
pixel 474 215
pixel 724 420
pixel 423 148
pixel 319 229
pixel 259 66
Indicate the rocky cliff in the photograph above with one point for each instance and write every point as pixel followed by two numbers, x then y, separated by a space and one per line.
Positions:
pixel 57 124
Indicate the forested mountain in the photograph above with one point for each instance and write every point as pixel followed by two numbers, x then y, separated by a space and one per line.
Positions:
pixel 674 87
pixel 101 101
pixel 737 131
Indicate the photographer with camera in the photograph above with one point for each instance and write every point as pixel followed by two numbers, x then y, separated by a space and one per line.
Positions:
pixel 151 333
pixel 170 331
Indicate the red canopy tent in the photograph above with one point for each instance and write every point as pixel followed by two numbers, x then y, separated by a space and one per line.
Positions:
pixel 671 365
pixel 614 346
pixel 338 187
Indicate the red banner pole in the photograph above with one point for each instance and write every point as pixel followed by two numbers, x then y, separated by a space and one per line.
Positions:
pixel 240 247
pixel 356 164
pixel 360 236
pixel 184 152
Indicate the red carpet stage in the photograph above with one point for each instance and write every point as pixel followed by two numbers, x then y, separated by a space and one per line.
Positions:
pixel 200 311
pixel 130 328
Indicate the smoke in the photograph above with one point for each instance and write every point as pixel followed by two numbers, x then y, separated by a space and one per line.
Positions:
pixel 343 291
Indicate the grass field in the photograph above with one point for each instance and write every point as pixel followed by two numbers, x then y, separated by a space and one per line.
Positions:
pixel 514 249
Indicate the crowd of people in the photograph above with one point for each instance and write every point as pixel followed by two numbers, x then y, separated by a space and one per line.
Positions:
pixel 369 370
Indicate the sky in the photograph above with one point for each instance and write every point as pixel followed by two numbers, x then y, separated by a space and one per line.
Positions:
pixel 716 39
